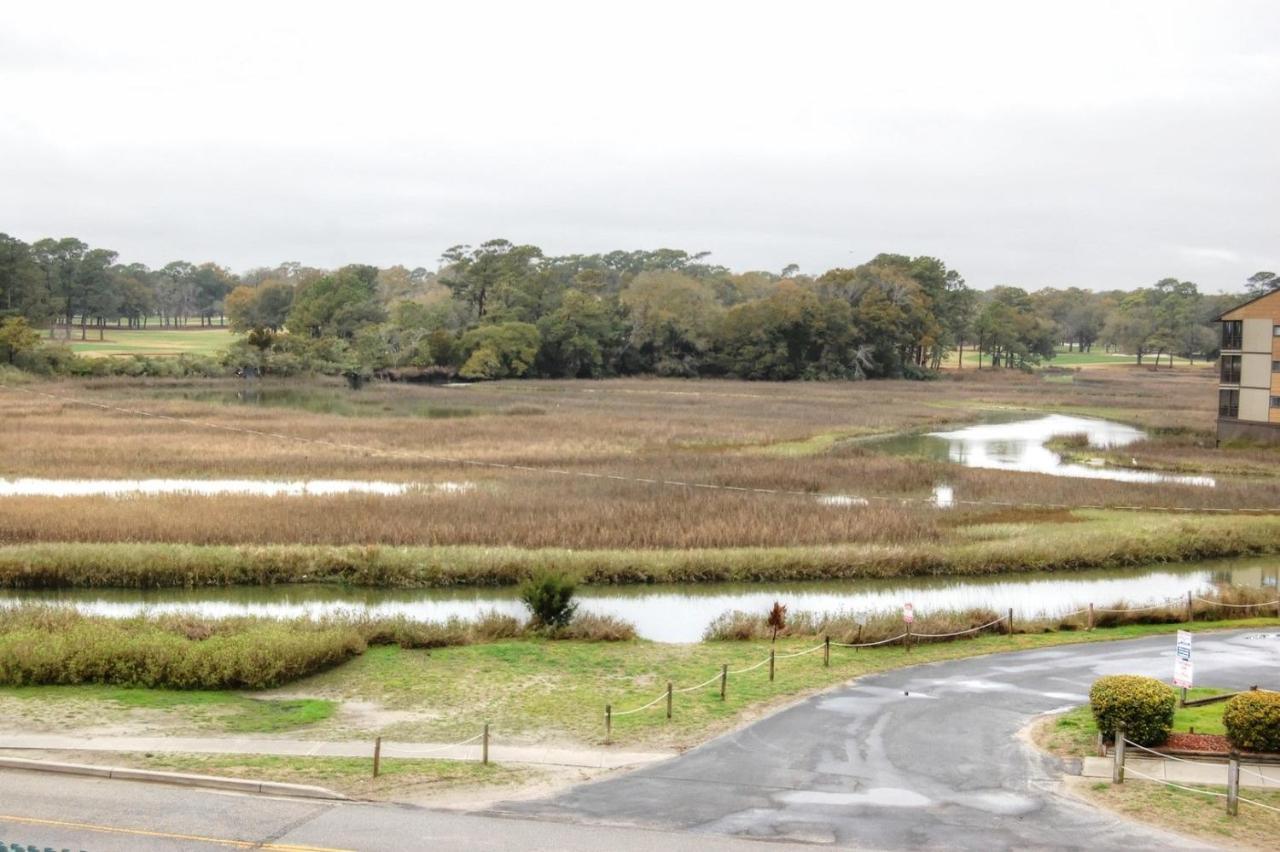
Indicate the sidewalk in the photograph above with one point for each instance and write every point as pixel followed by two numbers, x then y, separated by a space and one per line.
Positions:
pixel 1190 772
pixel 498 753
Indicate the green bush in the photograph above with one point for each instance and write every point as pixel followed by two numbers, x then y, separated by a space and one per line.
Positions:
pixel 550 600
pixel 1143 705
pixel 1252 720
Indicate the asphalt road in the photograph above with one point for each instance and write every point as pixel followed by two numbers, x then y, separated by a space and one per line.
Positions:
pixel 926 757
pixel 44 811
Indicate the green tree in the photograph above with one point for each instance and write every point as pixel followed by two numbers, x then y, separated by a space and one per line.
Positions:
pixel 338 304
pixel 793 334
pixel 502 351
pixel 17 336
pixel 671 315
pixel 492 273
pixel 577 337
pixel 1261 283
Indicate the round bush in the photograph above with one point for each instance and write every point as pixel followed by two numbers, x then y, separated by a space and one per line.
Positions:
pixel 1143 705
pixel 1252 720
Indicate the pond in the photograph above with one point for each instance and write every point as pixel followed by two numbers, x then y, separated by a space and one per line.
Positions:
pixel 34 487
pixel 680 613
pixel 1019 446
pixel 407 401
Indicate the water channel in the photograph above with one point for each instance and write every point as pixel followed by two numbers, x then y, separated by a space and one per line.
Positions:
pixel 680 613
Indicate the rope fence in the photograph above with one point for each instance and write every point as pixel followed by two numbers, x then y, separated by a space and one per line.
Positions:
pixel 906 638
pixel 1232 795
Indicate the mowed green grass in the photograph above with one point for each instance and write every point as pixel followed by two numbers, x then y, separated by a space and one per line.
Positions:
pixel 217 709
pixel 208 341
pixel 1063 358
pixel 1075 731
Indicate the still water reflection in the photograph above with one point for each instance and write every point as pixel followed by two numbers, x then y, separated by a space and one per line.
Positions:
pixel 680 613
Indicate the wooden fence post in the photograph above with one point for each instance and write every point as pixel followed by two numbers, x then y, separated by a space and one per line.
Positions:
pixel 1010 621
pixel 724 679
pixel 484 748
pixel 1233 784
pixel 771 652
pixel 608 723
pixel 377 756
pixel 1117 767
pixel 1090 616
pixel 1190 614
pixel 668 699
pixel 906 638
pixel 826 653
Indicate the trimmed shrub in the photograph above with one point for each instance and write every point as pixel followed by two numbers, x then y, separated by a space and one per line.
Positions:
pixel 550 600
pixel 1143 705
pixel 1252 720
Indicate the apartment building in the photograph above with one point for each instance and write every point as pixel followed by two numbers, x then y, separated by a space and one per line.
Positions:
pixel 1249 370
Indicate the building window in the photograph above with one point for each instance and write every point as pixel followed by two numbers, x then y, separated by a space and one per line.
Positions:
pixel 1229 370
pixel 1275 331
pixel 1275 402
pixel 1275 366
pixel 1228 403
pixel 1232 334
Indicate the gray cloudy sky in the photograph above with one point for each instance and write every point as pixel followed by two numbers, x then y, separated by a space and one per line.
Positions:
pixel 1040 144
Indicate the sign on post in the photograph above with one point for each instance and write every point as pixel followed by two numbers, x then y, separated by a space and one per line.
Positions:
pixel 908 613
pixel 1182 668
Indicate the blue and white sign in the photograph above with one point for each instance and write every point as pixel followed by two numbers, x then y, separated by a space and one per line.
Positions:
pixel 1182 669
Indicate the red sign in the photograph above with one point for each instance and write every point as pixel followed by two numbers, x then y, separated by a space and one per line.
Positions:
pixel 908 613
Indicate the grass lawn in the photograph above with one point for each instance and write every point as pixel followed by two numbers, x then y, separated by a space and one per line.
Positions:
pixel 1074 733
pixel 208 341
pixel 530 691
pixel 350 775
pixel 207 710
pixel 1190 813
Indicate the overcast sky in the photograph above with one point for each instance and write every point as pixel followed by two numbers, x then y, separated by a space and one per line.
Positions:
pixel 1032 143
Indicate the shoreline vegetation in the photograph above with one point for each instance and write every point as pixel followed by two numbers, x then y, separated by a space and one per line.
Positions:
pixel 42 644
pixel 1116 540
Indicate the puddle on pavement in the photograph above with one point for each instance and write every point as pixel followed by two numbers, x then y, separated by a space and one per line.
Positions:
pixel 884 797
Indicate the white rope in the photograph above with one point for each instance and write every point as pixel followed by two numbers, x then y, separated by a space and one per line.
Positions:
pixel 799 653
pixel 634 479
pixel 638 709
pixel 1128 768
pixel 961 632
pixel 1258 804
pixel 1238 606
pixel 1156 753
pixel 705 683
pixel 750 668
pixel 1171 784
pixel 867 644
pixel 1275 781
pixel 451 745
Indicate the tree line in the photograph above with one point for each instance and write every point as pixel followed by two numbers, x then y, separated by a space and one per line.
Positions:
pixel 500 310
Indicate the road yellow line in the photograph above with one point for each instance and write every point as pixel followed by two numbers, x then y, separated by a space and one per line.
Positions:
pixel 165 835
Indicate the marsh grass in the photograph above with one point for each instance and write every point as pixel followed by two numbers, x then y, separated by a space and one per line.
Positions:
pixel 1011 542
pixel 41 645
pixel 797 437
pixel 1223 603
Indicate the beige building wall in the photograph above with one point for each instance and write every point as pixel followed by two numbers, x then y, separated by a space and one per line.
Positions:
pixel 1255 370
pixel 1255 404
pixel 1257 335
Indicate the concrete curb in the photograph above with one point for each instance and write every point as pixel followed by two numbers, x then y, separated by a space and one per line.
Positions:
pixel 181 779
